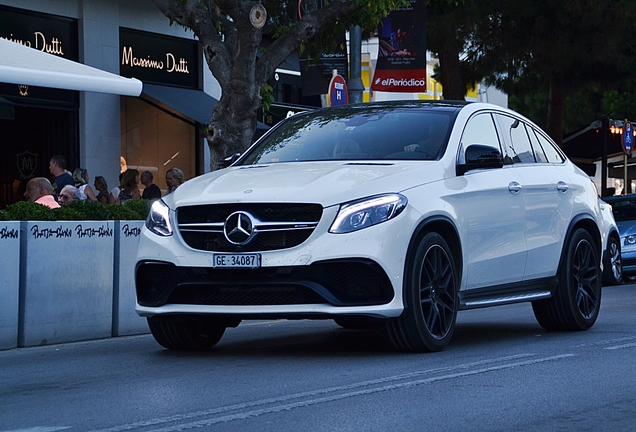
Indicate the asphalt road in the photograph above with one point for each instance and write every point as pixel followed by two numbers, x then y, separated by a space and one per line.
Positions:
pixel 501 372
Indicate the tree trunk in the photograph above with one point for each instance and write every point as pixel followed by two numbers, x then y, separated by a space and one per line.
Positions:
pixel 232 56
pixel 231 127
pixel 453 86
pixel 556 108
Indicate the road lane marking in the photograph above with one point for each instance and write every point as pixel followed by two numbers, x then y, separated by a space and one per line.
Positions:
pixel 606 342
pixel 630 345
pixel 292 401
pixel 40 429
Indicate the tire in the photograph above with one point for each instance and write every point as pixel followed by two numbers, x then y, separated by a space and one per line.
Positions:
pixel 185 333
pixel 430 299
pixel 613 265
pixel 577 300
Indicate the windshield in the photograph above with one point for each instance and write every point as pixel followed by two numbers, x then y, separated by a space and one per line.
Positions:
pixel 356 134
pixel 624 209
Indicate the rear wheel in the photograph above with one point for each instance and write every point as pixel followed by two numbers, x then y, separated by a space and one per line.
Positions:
pixel 612 267
pixel 184 332
pixel 430 299
pixel 576 303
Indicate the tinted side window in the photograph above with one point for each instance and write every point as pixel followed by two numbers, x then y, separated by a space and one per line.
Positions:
pixel 539 154
pixel 516 140
pixel 479 130
pixel 550 150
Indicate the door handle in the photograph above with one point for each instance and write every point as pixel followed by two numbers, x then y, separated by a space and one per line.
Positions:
pixel 514 187
pixel 562 187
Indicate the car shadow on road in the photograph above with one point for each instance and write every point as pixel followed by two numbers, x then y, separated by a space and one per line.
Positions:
pixel 467 334
pixel 330 341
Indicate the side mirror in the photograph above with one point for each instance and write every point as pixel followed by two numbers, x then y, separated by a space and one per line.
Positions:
pixel 227 161
pixel 480 156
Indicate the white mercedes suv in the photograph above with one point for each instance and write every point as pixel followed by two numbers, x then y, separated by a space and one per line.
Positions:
pixel 399 214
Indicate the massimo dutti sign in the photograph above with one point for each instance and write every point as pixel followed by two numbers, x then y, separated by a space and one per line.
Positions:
pixel 159 59
pixel 49 33
pixel 52 34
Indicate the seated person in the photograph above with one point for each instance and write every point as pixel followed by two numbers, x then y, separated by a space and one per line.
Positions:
pixel 68 194
pixel 39 190
pixel 346 147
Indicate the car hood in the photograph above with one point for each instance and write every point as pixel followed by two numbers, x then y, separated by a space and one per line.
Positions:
pixel 626 228
pixel 326 183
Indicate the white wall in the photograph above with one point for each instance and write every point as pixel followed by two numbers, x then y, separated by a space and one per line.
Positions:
pixel 99 113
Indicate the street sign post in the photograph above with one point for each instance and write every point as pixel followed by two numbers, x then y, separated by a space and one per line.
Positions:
pixel 628 137
pixel 338 94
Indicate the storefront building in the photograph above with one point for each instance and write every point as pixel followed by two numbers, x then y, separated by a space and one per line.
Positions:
pixel 159 130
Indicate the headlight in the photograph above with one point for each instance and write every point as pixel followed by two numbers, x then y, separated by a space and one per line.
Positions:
pixel 367 212
pixel 159 219
pixel 630 240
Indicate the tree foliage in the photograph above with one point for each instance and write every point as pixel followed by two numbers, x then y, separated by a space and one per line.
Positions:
pixel 556 48
pixel 449 28
pixel 231 34
pixel 563 62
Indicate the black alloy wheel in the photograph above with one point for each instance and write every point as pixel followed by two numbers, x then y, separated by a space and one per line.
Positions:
pixel 430 299
pixel 576 303
pixel 613 265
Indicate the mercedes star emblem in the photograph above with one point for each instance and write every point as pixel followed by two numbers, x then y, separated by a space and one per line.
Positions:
pixel 239 228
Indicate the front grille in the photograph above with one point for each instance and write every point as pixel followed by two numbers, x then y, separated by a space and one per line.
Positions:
pixel 351 282
pixel 276 225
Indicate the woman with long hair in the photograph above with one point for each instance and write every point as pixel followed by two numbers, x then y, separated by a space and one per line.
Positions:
pixel 102 188
pixel 80 177
pixel 129 186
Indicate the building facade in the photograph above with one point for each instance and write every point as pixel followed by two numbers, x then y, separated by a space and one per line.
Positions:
pixel 160 129
pixel 104 133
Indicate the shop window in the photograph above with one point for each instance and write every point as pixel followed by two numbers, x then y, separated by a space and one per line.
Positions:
pixel 156 141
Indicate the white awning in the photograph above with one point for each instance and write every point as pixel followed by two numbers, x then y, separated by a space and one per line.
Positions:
pixel 28 66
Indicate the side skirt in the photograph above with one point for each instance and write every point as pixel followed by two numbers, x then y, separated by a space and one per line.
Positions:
pixel 525 291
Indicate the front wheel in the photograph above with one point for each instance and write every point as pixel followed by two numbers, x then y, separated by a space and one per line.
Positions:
pixel 185 333
pixel 577 300
pixel 430 299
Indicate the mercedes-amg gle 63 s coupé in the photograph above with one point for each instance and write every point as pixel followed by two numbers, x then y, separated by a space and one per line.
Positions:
pixel 391 214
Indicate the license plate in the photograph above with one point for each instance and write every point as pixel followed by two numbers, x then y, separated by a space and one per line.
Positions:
pixel 236 260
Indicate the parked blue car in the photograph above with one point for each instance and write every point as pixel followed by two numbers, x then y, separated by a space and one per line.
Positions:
pixel 624 210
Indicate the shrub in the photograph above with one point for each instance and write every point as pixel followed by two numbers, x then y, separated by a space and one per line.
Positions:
pixel 25 210
pixel 122 212
pixel 83 210
pixel 141 207
pixel 68 213
pixel 77 210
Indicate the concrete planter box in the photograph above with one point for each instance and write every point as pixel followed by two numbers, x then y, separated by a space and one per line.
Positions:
pixel 125 319
pixel 66 286
pixel 9 283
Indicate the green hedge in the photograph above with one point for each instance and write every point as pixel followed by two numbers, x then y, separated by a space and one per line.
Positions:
pixel 78 210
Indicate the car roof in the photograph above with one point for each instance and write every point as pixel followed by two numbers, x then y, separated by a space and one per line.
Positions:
pixel 390 105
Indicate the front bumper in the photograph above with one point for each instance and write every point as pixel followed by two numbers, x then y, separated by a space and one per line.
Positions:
pixel 628 258
pixel 339 283
pixel 359 273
